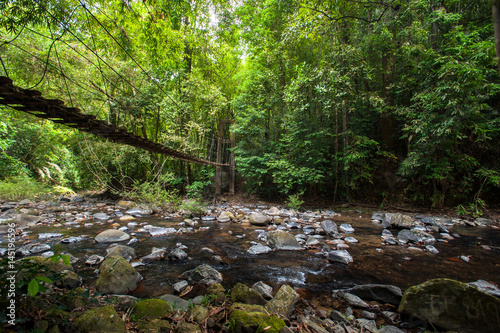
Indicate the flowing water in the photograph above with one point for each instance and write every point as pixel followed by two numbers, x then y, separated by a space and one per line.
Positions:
pixel 308 269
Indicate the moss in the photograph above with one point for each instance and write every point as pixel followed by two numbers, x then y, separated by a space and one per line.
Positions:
pixel 244 294
pixel 116 276
pixel 219 292
pixel 187 328
pixel 197 314
pixel 151 308
pixel 249 321
pixel 247 307
pixel 104 319
pixel 156 325
pixel 452 305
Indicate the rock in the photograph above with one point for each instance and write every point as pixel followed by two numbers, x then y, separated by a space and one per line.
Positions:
pixel 243 294
pixel 312 326
pixel 197 314
pixel 397 220
pixel 390 329
pixel 126 252
pixel 415 236
pixel 116 276
pixel 431 249
pixel 483 221
pixel 187 328
pixel 312 241
pixel 156 254
pixel 378 216
pixel 281 240
pixel 487 287
pixel 274 211
pixel 340 256
pixel 225 217
pixel 151 309
pixel 355 301
pixel 34 248
pixel 203 274
pixel 49 235
pixel 175 302
pixel 249 318
pixel 259 249
pixel 283 302
pixel 103 319
pixel 351 240
pixel 70 279
pixel 180 286
pixel 177 254
pixel 101 216
pixel 378 292
pixel 452 305
pixel 367 325
pixel 346 228
pixel 23 220
pixel 126 204
pixel 126 218
pixel 73 239
pixel 258 219
pixel 263 289
pixel 337 316
pixel 155 325
pixel 111 236
pixel 58 266
pixel 139 211
pixel 329 227
pixel 160 231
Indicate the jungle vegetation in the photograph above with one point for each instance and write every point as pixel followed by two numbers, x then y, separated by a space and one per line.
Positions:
pixel 383 101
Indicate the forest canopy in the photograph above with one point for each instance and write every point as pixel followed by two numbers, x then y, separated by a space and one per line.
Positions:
pixel 378 101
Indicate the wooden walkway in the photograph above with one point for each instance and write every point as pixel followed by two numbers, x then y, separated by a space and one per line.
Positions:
pixel 32 102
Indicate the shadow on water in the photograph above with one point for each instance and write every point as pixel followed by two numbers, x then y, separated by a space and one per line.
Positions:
pixel 308 269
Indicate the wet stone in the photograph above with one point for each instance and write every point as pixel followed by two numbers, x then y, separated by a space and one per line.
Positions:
pixel 346 228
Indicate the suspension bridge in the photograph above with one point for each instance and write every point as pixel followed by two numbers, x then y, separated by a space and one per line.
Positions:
pixel 217 153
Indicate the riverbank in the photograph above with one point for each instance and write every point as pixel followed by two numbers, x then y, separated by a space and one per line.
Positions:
pixel 314 253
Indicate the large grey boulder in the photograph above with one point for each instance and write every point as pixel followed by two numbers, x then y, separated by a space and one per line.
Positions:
pixel 126 252
pixel 112 236
pixel 258 219
pixel 282 240
pixel 397 220
pixel 117 276
pixel 415 236
pixel 452 305
pixel 329 227
pixel 378 292
pixel 283 302
pixel 202 274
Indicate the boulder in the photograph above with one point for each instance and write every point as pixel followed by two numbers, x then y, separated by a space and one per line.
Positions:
pixel 243 294
pixel 329 227
pixel 103 319
pixel 202 274
pixel 415 236
pixel 155 325
pixel 259 219
pixel 346 228
pixel 397 220
pixel 126 252
pixel 452 305
pixel 282 240
pixel 284 301
pixel 140 211
pixel 151 309
pixel 340 256
pixel 126 204
pixel 378 292
pixel 259 249
pixel 116 276
pixel 225 217
pixel 23 220
pixel 187 328
pixel 197 313
pixel 112 236
pixel 175 302
pixel 251 318
pixel 265 290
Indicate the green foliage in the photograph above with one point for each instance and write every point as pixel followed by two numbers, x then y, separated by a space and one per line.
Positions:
pixel 15 189
pixel 161 192
pixel 294 201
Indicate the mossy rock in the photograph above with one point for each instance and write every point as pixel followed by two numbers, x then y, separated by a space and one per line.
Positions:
pixel 243 294
pixel 187 328
pixel 284 301
pixel 151 308
pixel 58 266
pixel 156 325
pixel 247 307
pixel 452 305
pixel 197 314
pixel 117 276
pixel 252 321
pixel 104 319
pixel 219 292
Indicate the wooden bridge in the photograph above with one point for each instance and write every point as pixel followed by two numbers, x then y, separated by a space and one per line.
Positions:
pixel 32 102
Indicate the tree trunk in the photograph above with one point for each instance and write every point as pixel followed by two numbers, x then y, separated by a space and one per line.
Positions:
pixel 496 26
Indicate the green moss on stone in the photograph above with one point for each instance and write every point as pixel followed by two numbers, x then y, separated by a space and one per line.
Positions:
pixel 104 319
pixel 244 294
pixel 151 308
pixel 157 325
pixel 452 305
pixel 249 321
pixel 116 276
pixel 187 328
